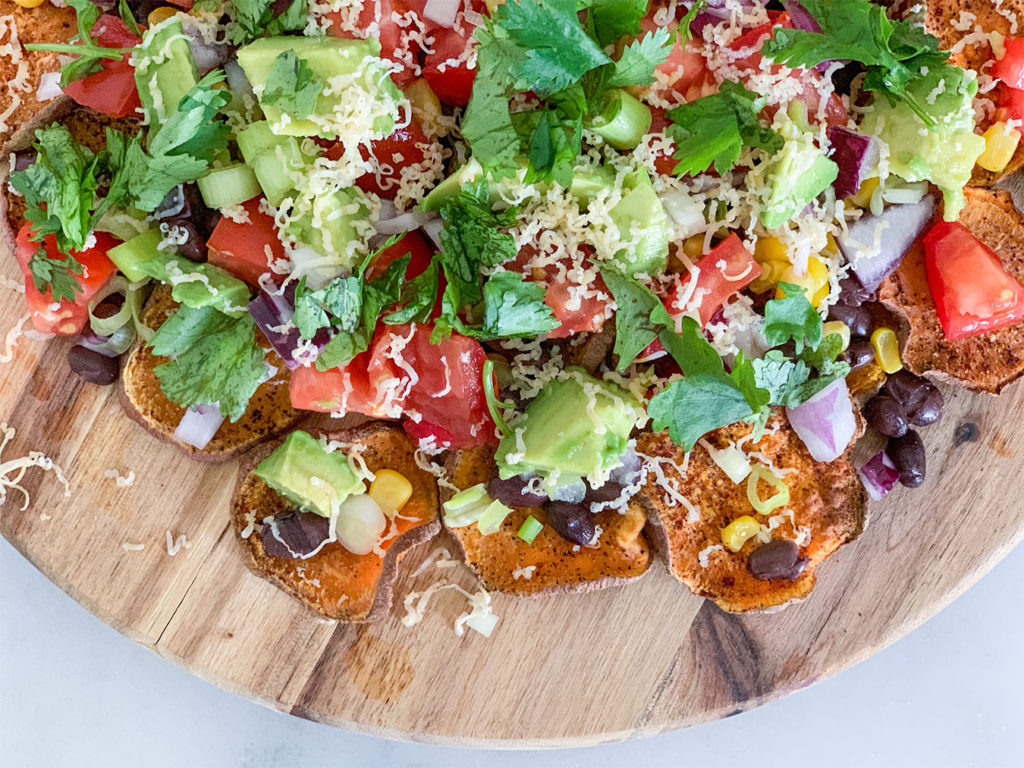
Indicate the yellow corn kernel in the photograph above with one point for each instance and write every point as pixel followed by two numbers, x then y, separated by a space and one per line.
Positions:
pixel 736 533
pixel 836 326
pixel 770 249
pixel 814 281
pixel 693 247
pixel 29 3
pixel 491 5
pixel 426 107
pixel 862 198
pixel 887 349
pixel 1001 143
pixel 771 272
pixel 390 490
pixel 161 14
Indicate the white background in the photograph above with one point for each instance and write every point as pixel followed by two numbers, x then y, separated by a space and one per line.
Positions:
pixel 73 692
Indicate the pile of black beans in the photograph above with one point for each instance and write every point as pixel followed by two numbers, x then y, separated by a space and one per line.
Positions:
pixel 905 401
pixel 858 310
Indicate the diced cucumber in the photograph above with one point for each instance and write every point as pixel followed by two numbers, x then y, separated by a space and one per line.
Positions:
pixel 623 121
pixel 466 506
pixel 204 285
pixel 133 256
pixel 338 213
pixel 273 159
pixel 231 185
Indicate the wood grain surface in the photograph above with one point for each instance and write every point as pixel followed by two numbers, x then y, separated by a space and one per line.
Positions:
pixel 558 671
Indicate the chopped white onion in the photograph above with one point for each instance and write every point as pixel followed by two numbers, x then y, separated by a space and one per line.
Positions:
pixel 404 222
pixel 433 230
pixel 308 263
pixel 442 12
pixel 825 423
pixel 198 426
pixel 686 212
pixel 49 86
pixel 360 524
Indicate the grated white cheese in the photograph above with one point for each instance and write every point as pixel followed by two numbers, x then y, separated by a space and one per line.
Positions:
pixel 132 547
pixel 175 545
pixel 121 481
pixel 703 557
pixel 11 339
pixel 524 572
pixel 13 470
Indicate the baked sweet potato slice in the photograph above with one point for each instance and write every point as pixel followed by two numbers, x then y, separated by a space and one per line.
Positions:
pixel 21 70
pixel 987 362
pixel 334 582
pixel 827 502
pixel 270 411
pixel 503 561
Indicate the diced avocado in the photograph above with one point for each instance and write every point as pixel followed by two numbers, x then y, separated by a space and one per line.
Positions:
pixel 308 475
pixel 797 174
pixel 164 71
pixel 449 188
pixel 943 154
pixel 639 214
pixel 274 159
pixel 204 285
pixel 358 62
pixel 338 214
pixel 588 183
pixel 578 426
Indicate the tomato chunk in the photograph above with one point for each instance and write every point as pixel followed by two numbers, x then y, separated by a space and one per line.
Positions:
pixel 413 243
pixel 246 249
pixel 112 90
pixel 1010 68
pixel 388 156
pixel 345 389
pixel 724 272
pixel 1010 104
pixel 66 317
pixel 972 290
pixel 445 68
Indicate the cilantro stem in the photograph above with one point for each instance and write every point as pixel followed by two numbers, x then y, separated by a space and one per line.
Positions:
pixel 95 51
pixel 494 405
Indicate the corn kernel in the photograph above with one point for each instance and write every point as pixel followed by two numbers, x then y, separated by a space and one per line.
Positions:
pixel 836 326
pixel 161 14
pixel 391 490
pixel 492 5
pixel 770 249
pixel 887 349
pixel 29 3
pixel 1000 145
pixel 862 198
pixel 814 281
pixel 867 378
pixel 771 272
pixel 426 107
pixel 736 533
pixel 693 247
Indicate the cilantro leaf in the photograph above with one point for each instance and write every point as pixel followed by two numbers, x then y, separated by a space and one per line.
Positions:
pixel 215 359
pixel 552 139
pixel 292 86
pixel 339 303
pixel 88 54
pixel 792 318
pixel 611 20
pixel 639 59
pixel 55 275
pixel 514 308
pixel 59 188
pixel 690 16
pixel 714 129
pixel 558 52
pixel 695 405
pixel 895 52
pixel 126 16
pixel 417 298
pixel 635 328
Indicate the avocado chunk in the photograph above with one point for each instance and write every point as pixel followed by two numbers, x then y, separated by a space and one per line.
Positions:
pixel 944 154
pixel 357 97
pixel 276 160
pixel 797 174
pixel 307 474
pixel 333 224
pixel 164 71
pixel 578 426
pixel 640 218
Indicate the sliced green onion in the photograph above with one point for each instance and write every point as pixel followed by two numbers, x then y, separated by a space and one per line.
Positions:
pixel 529 529
pixel 764 506
pixel 623 121
pixel 730 460
pixel 231 185
pixel 494 405
pixel 129 313
pixel 466 506
pixel 492 518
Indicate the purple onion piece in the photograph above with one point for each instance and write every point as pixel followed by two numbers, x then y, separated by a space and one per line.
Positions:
pixel 801 17
pixel 270 312
pixel 172 206
pixel 825 423
pixel 879 475
pixel 855 154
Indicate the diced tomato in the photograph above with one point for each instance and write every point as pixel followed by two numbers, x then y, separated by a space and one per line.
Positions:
pixel 1010 104
pixel 66 318
pixel 385 29
pixel 753 38
pixel 451 82
pixel 416 245
pixel 112 90
pixel 345 389
pixel 575 314
pixel 664 163
pixel 1010 68
pixel 242 248
pixel 972 290
pixel 725 271
pixel 422 430
pixel 685 65
pixel 388 156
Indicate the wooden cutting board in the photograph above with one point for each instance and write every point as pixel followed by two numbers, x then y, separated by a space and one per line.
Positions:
pixel 557 671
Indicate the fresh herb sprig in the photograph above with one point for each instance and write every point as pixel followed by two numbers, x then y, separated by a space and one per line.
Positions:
pixel 89 55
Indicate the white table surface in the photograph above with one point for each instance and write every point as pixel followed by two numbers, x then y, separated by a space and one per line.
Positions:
pixel 73 692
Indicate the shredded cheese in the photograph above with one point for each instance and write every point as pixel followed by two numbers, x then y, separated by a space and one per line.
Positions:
pixel 12 471
pixel 121 481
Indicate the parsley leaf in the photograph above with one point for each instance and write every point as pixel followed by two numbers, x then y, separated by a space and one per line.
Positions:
pixel 59 188
pixel 292 86
pixel 639 59
pixel 215 359
pixel 55 275
pixel 89 55
pixel 792 318
pixel 714 129
pixel 895 52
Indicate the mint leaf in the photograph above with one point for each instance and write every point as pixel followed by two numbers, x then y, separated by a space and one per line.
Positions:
pixel 215 359
pixel 55 275
pixel 792 318
pixel 640 58
pixel 292 86
pixel 714 129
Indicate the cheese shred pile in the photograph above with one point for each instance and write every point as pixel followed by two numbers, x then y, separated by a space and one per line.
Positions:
pixel 12 471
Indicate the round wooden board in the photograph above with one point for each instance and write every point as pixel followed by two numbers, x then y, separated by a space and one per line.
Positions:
pixel 558 671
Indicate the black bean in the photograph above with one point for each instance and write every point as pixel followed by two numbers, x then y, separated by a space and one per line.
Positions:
pixel 573 522
pixel 930 410
pixel 511 492
pixel 297 534
pixel 173 205
pixel 859 354
pixel 908 454
pixel 92 366
pixel 194 247
pixel 906 389
pixel 607 492
pixel 886 416
pixel 23 158
pixel 200 214
pixel 880 316
pixel 109 307
pixel 852 293
pixel 857 319
pixel 778 559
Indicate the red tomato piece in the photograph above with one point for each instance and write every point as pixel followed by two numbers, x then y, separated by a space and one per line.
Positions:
pixel 344 389
pixel 388 156
pixel 664 163
pixel 972 290
pixel 422 430
pixel 754 38
pixel 1010 68
pixel 242 248
pixel 445 69
pixel 685 65
pixel 112 90
pixel 420 250
pixel 575 314
pixel 725 271
pixel 1011 104
pixel 65 318
pixel 392 45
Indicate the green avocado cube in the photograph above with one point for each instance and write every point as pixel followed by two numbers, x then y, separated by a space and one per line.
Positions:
pixel 164 71
pixel 639 214
pixel 307 474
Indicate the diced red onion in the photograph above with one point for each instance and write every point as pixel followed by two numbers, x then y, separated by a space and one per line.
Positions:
pixel 270 311
pixel 825 423
pixel 879 475
pixel 628 470
pixel 442 12
pixel 855 154
pixel 198 426
pixel 49 86
pixel 801 17
pixel 895 231
pixel 114 345
pixel 207 56
pixel 237 81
